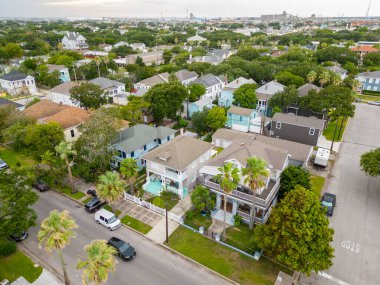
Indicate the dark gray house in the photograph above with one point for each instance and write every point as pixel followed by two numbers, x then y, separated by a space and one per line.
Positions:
pixel 305 130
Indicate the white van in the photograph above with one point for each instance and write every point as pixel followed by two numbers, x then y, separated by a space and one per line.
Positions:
pixel 107 219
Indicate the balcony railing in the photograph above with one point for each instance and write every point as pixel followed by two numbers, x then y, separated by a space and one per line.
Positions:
pixel 244 215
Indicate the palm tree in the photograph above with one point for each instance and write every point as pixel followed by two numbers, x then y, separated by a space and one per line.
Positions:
pixel 324 77
pixel 311 77
pixel 255 172
pixel 66 151
pixel 129 171
pixel 100 261
pixel 355 84
pixel 110 187
pixel 48 158
pixel 228 178
pixel 168 198
pixel 55 233
pixel 336 80
pixel 97 61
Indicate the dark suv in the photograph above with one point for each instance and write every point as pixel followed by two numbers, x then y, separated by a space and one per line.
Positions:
pixel 124 249
pixel 329 202
pixel 93 205
pixel 41 186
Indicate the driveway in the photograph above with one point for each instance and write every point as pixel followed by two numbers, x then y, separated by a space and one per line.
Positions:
pixel 153 264
pixel 356 218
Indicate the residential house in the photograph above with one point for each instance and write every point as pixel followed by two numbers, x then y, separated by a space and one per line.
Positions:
pixel 16 83
pixel 240 147
pixel 105 47
pixel 196 39
pixel 68 117
pixel 5 102
pixel 186 76
pixel 212 59
pixel 304 90
pixel 61 94
pixel 144 85
pixel 110 87
pixel 149 58
pixel 305 130
pixel 74 41
pixel 138 140
pixel 175 165
pixel 64 75
pixel 265 92
pixel 227 95
pixel 138 46
pixel 223 53
pixel 95 53
pixel 213 85
pixel 338 71
pixel 362 50
pixel 120 44
pixel 370 81
pixel 244 119
pixel 200 105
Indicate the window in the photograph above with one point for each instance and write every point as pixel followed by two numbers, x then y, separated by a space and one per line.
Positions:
pixel 144 146
pixel 168 138
pixel 132 154
pixel 278 125
pixel 72 133
pixel 159 141
pixel 241 118
pixel 142 161
pixel 311 131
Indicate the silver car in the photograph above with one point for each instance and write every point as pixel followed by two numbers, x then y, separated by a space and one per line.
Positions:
pixel 377 103
pixel 3 165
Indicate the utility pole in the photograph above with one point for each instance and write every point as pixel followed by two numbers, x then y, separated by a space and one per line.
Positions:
pixel 369 6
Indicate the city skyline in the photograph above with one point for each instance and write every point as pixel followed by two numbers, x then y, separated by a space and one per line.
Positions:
pixel 171 8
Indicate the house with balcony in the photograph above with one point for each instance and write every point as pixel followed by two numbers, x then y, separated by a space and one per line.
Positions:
pixel 138 140
pixel 74 41
pixel 175 165
pixel 17 82
pixel 110 87
pixel 244 119
pixel 265 92
pixel 213 85
pixel 227 95
pixel 64 75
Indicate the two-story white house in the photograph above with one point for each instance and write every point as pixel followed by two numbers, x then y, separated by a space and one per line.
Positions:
pixel 60 94
pixel 175 165
pixel 74 41
pixel 17 82
pixel 110 87
pixel 213 84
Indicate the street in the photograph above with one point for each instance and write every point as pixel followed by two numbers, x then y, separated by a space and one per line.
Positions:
pixel 152 265
pixel 357 215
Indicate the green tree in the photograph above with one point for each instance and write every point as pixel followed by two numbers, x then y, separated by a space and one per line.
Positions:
pixel 370 162
pixel 139 61
pixel 100 261
pixel 351 68
pixel 167 55
pixel 245 96
pixel 89 95
pixel 129 171
pixel 229 178
pixel 287 78
pixel 196 91
pixel 110 188
pixel 311 76
pixel 248 53
pixel 255 175
pixel 324 78
pixel 216 118
pixel 198 120
pixel 291 177
pixel 285 98
pixel 297 233
pixel 135 110
pixel 66 153
pixel 372 59
pixel 338 54
pixel 55 234
pixel 202 199
pixel 13 51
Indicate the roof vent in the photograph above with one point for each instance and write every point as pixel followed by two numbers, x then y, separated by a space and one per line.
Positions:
pixel 165 155
pixel 242 144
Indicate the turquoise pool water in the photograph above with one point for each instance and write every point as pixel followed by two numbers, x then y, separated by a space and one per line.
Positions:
pixel 154 187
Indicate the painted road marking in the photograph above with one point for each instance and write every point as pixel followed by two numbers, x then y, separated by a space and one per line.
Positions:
pixel 332 278
pixel 350 245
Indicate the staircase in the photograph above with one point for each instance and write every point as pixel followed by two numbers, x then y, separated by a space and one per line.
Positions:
pixel 219 215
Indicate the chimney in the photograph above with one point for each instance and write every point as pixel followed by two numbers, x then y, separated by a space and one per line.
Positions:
pixel 181 131
pixel 237 81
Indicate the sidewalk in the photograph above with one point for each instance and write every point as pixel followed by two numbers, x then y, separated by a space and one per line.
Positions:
pixel 323 142
pixel 46 278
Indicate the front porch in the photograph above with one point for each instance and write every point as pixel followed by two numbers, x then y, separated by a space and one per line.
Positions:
pixel 156 183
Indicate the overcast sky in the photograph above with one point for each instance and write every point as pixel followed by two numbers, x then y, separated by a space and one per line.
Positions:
pixel 177 8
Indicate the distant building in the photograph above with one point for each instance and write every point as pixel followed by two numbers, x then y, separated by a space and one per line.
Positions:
pixel 74 41
pixel 149 58
pixel 16 83
pixel 138 46
pixel 197 39
pixel 370 81
pixel 362 50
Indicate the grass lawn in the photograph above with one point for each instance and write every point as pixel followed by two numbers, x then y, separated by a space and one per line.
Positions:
pixel 240 237
pixel 317 183
pixel 136 224
pixel 16 265
pixel 197 220
pixel 171 204
pixel 14 158
pixel 329 131
pixel 368 97
pixel 223 260
pixel 117 212
pixel 67 191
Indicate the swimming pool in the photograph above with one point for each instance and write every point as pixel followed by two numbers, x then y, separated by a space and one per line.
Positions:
pixel 154 187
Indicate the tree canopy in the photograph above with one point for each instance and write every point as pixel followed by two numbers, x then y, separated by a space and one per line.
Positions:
pixel 245 96
pixel 370 162
pixel 292 177
pixel 89 95
pixel 216 118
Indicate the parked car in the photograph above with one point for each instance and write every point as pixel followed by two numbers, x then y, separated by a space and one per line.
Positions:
pixel 107 219
pixel 377 103
pixel 19 237
pixel 3 164
pixel 329 201
pixel 94 205
pixel 124 249
pixel 41 186
pixel 92 192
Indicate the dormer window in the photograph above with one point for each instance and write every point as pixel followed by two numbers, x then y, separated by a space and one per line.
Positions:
pixel 311 131
pixel 278 125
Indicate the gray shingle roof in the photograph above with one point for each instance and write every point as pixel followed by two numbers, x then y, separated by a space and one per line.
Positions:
pixel 156 79
pixel 207 80
pixel 72 35
pixel 203 102
pixel 63 88
pixel 53 67
pixel 14 76
pixel 269 89
pixel 303 90
pixel 240 111
pixel 185 74
pixel 4 102
pixel 374 74
pixel 137 136
pixel 292 119
pixel 106 83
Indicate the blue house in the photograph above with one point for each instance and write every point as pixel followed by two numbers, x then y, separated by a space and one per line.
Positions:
pixel 370 81
pixel 227 94
pixel 244 120
pixel 63 71
pixel 200 105
pixel 138 140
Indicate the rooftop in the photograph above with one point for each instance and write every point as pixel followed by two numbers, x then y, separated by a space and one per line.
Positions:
pixel 43 108
pixel 292 119
pixel 269 89
pixel 208 80
pixel 53 67
pixel 185 74
pixel 106 83
pixel 238 82
pixel 69 117
pixel 240 111
pixel 303 90
pixel 14 76
pixel 156 79
pixel 64 88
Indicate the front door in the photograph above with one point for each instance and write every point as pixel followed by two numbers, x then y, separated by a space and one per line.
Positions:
pixel 228 206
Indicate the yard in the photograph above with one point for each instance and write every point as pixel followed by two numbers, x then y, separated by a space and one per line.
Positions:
pixel 240 237
pixel 367 98
pixel 15 159
pixel 233 265
pixel 136 224
pixel 329 131
pixel 67 191
pixel 197 220
pixel 317 183
pixel 16 265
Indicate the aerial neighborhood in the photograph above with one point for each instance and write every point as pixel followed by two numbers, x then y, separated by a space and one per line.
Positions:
pixel 247 148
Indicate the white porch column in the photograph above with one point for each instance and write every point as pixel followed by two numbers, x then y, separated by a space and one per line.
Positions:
pixel 180 190
pixel 147 177
pixel 163 181
pixel 234 207
pixel 218 201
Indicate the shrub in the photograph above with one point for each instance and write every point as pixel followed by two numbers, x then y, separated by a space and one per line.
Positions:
pixel 7 247
pixel 237 220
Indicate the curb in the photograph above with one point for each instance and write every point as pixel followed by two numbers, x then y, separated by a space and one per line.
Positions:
pixel 67 196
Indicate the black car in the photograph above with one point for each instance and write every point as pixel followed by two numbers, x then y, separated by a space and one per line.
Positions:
pixel 92 192
pixel 41 186
pixel 329 201
pixel 124 249
pixel 19 237
pixel 93 205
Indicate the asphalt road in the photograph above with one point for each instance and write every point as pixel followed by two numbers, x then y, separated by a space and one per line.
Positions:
pixel 356 218
pixel 152 265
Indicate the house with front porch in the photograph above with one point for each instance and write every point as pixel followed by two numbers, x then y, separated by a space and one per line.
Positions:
pixel 265 92
pixel 109 87
pixel 227 95
pixel 175 165
pixel 200 105
pixel 244 119
pixel 138 140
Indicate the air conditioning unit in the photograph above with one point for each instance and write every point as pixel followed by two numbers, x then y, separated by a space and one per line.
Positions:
pixel 5 282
